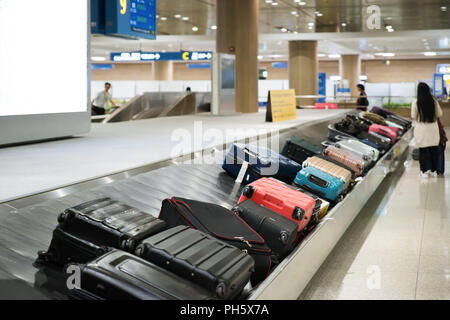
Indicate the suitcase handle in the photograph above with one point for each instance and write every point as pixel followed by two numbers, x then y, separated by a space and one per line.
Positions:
pixel 318 181
pixel 341 138
pixel 327 144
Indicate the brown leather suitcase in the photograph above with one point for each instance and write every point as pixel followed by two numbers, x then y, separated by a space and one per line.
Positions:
pixel 358 165
pixel 375 118
pixel 332 169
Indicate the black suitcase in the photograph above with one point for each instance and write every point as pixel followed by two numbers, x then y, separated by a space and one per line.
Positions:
pixel 222 224
pixel 102 222
pixel 119 275
pixel 299 150
pixel 383 143
pixel 222 269
pixel 279 232
pixel 66 248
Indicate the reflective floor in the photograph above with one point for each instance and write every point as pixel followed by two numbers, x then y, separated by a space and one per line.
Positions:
pixel 397 248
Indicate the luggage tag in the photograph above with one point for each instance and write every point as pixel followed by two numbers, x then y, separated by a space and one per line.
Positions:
pixel 242 172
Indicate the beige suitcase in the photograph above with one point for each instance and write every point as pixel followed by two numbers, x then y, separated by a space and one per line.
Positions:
pixel 332 169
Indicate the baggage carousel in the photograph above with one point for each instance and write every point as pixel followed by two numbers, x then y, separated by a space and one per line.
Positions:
pixel 26 224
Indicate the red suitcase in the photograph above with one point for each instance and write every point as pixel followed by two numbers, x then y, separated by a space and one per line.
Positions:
pixel 390 132
pixel 279 197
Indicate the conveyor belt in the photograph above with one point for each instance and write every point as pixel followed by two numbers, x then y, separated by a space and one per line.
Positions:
pixel 24 230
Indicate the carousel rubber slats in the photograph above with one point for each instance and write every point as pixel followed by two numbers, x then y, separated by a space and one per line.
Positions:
pixel 102 222
pixel 262 162
pixel 224 225
pixel 119 275
pixel 332 169
pixel 222 269
pixel 320 183
pixel 299 150
pixel 279 232
pixel 284 200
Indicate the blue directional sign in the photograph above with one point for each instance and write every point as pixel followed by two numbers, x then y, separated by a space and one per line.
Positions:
pixel 131 18
pixel 161 56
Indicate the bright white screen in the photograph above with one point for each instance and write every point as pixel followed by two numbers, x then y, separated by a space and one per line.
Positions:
pixel 43 56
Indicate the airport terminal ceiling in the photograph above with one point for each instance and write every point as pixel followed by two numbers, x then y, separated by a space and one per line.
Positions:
pixel 338 25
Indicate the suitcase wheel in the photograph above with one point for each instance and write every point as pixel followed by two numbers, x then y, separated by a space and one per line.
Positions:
pixel 298 214
pixel 128 245
pixel 221 290
pixel 284 237
pixel 236 210
pixel 139 251
pixel 64 217
pixel 248 192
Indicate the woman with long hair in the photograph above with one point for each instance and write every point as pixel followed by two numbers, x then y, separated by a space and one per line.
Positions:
pixel 425 111
pixel 362 102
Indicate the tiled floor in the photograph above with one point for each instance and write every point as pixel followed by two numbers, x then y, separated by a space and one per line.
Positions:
pixel 397 248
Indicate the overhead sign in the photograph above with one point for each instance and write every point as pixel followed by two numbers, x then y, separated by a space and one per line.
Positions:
pixel 281 106
pixel 98 16
pixel 443 68
pixel 161 56
pixel 131 18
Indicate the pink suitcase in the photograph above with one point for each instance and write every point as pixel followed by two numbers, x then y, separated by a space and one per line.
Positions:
pixel 326 106
pixel 391 132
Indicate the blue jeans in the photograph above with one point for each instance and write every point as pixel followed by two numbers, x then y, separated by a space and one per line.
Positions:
pixel 428 158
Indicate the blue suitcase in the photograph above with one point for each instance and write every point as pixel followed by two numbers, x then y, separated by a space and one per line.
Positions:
pixel 372 144
pixel 320 183
pixel 262 162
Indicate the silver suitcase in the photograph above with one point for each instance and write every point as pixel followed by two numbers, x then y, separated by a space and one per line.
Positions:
pixel 358 148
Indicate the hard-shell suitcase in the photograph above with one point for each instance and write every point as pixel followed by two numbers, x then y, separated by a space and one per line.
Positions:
pixel 222 269
pixel 284 200
pixel 299 150
pixel 383 142
pixel 333 133
pixel 372 144
pixel 103 222
pixel 396 125
pixel 375 118
pixel 321 211
pixel 259 162
pixel 357 164
pixel 279 232
pixel 119 275
pixel 358 148
pixel 381 112
pixel 407 124
pixel 66 248
pixel 332 169
pixel 223 224
pixel 390 132
pixel 320 183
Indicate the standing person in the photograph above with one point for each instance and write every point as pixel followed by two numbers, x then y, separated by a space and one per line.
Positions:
pixel 362 102
pixel 98 104
pixel 425 111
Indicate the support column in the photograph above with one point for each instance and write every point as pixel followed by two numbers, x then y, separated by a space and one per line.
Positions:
pixel 237 33
pixel 162 70
pixel 350 69
pixel 303 69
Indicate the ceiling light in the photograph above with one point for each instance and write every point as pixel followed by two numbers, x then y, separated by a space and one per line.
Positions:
pixel 294 12
pixel 157 16
pixel 388 27
pixel 430 54
pixel 214 27
pixel 268 1
pixel 178 16
pixel 260 57
pixel 320 14
pixel 311 24
pixel 98 58
pixel 194 28
pixel 284 30
pixel 297 1
pixel 185 18
pixel 163 18
pixel 321 55
pixel 302 3
pixel 385 54
pixel 443 8
pixel 343 24
pixel 274 3
pixel 334 56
